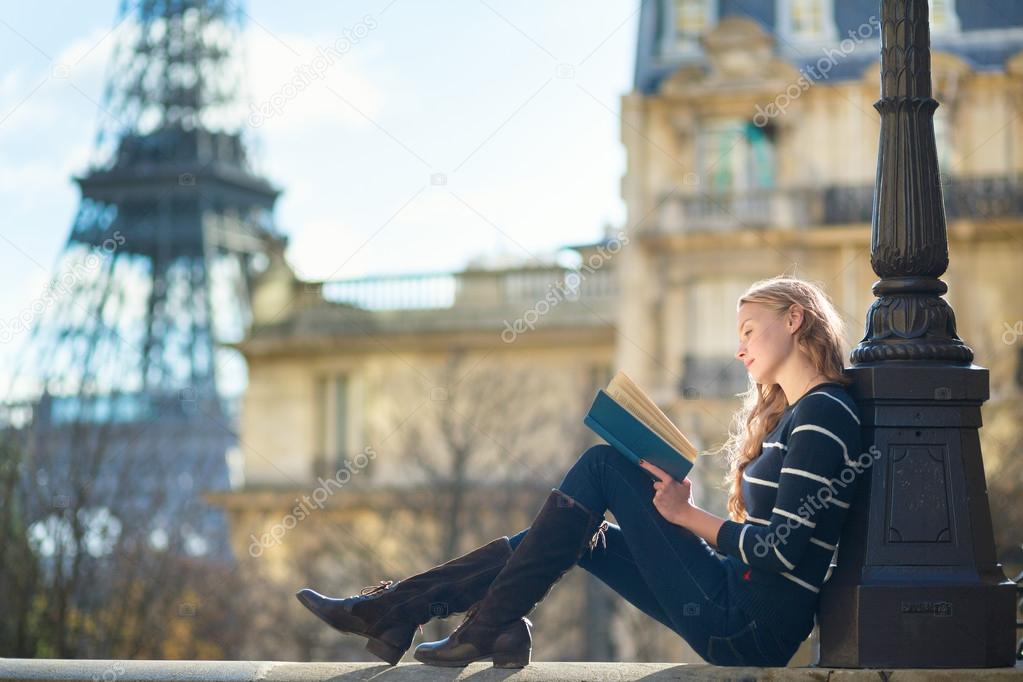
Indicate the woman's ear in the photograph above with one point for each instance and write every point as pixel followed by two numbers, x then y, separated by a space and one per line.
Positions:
pixel 794 317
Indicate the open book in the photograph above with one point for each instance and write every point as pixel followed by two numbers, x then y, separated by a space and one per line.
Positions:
pixel 624 416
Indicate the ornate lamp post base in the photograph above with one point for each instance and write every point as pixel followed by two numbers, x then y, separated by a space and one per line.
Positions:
pixel 917 583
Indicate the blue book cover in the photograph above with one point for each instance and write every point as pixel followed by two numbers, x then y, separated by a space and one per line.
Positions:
pixel 632 438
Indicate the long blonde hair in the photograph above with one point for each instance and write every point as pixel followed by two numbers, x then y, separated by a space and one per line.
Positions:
pixel 820 337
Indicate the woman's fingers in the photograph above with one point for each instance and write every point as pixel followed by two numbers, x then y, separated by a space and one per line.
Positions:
pixel 655 470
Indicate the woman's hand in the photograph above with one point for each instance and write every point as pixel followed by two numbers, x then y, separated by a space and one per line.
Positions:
pixel 673 499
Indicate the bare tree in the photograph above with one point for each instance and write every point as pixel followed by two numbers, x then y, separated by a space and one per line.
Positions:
pixel 101 554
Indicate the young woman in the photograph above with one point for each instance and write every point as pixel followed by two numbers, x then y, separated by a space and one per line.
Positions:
pixel 740 591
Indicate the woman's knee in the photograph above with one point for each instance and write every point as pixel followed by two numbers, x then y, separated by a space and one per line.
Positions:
pixel 597 453
pixel 585 480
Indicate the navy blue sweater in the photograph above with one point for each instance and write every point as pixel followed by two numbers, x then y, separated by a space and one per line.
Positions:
pixel 797 494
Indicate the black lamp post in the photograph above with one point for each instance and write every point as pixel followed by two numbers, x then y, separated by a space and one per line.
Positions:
pixel 917 582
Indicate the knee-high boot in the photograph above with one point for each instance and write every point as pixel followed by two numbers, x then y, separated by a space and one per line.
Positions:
pixel 388 614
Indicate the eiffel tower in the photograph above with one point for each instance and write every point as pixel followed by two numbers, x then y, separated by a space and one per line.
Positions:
pixel 123 401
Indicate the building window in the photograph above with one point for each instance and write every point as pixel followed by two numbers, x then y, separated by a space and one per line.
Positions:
pixel 735 155
pixel 334 428
pixel 709 365
pixel 806 20
pixel 685 21
pixel 691 17
pixel 943 17
pixel 710 329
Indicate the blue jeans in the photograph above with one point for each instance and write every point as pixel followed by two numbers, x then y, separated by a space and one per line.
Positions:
pixel 665 570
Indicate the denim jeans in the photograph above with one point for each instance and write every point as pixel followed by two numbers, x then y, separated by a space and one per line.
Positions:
pixel 665 570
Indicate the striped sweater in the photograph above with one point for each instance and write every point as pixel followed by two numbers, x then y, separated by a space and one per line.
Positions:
pixel 797 493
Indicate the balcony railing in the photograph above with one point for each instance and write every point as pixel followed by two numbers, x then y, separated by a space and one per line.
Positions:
pixel 979 197
pixel 471 288
pixel 738 210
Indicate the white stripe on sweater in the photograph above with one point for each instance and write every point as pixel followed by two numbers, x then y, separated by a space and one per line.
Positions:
pixel 823 544
pixel 788 564
pixel 802 583
pixel 756 520
pixel 742 550
pixel 806 474
pixel 776 444
pixel 760 481
pixel 797 517
pixel 851 413
pixel 829 434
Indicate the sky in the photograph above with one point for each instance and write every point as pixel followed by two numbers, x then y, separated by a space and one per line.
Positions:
pixel 438 133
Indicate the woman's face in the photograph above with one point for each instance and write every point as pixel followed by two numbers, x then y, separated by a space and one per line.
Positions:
pixel 765 341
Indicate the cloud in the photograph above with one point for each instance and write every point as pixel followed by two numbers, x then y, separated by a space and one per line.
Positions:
pixel 298 83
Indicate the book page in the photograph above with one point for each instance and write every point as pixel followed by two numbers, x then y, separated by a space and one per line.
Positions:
pixel 630 396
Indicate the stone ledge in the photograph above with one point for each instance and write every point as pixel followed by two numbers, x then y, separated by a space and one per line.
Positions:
pixel 56 670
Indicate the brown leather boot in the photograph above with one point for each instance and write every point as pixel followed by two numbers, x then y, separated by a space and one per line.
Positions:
pixel 388 614
pixel 496 627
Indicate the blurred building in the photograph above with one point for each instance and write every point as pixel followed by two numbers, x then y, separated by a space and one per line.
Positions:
pixel 751 140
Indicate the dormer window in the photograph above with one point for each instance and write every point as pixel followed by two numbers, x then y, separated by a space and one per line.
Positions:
pixel 807 20
pixel 943 16
pixel 691 17
pixel 685 22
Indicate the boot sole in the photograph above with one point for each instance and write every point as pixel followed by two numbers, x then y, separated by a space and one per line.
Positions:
pixel 390 653
pixel 509 660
